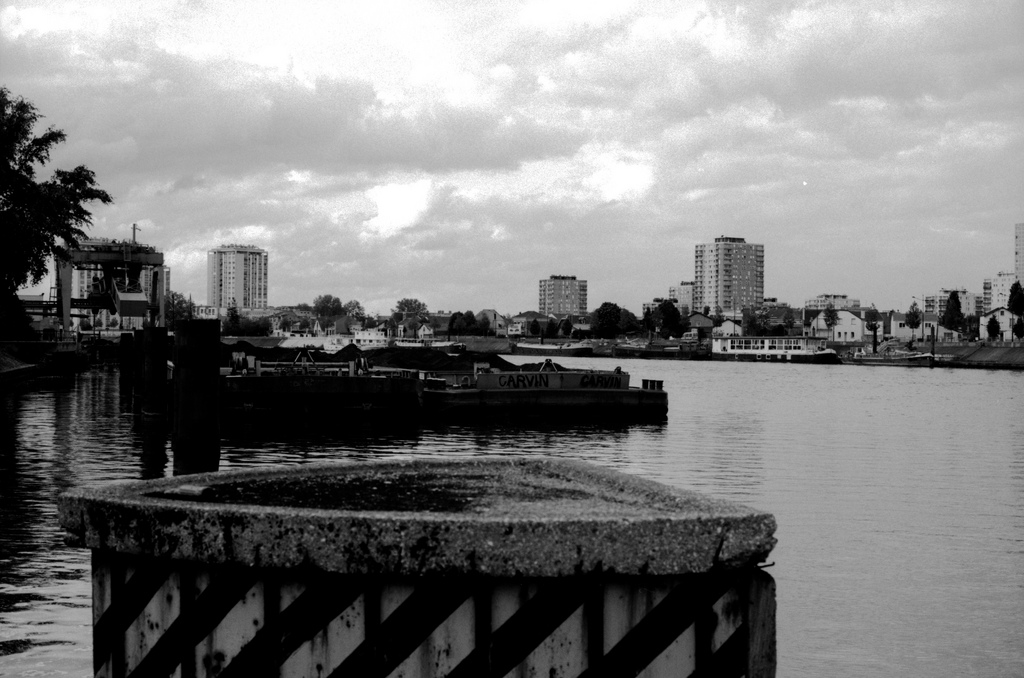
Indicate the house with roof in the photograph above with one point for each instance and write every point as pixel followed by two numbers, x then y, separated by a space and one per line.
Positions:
pixel 702 323
pixel 894 325
pixel 519 325
pixel 849 325
pixel 412 328
pixel 496 322
pixel 1006 321
pixel 728 328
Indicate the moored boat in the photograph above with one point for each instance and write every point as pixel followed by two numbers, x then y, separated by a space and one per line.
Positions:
pixel 894 358
pixel 774 350
pixel 558 395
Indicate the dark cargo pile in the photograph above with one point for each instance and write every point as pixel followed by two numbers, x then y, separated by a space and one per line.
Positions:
pixel 432 359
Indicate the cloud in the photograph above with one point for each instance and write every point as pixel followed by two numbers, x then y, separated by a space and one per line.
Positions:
pixel 369 147
pixel 399 206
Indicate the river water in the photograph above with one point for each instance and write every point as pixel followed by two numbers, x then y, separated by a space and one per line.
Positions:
pixel 899 495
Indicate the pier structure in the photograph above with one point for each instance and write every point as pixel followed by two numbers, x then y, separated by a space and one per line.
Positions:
pixel 117 285
pixel 494 566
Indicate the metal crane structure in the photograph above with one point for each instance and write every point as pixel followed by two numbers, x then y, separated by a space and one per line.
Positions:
pixel 117 284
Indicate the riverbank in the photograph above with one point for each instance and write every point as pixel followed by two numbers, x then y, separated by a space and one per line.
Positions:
pixel 976 355
pixel 13 371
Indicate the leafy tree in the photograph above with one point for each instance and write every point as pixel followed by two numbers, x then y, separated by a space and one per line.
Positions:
pixel 750 327
pixel 763 316
pixel 788 320
pixel 411 306
pixel 671 321
pixel 535 327
pixel 953 317
pixel 177 309
pixel 1018 328
pixel 971 326
pixel 873 320
pixel 707 310
pixel 628 322
pixel 604 321
pixel 1015 303
pixel 85 325
pixel 551 329
pixel 718 318
pixel 253 327
pixel 566 326
pixel 453 323
pixel 354 309
pixel 913 318
pixel 648 322
pixel 41 219
pixel 327 305
pixel 992 327
pixel 303 307
pixel 233 325
pixel 465 323
pixel 830 316
pixel 483 326
pixel 15 323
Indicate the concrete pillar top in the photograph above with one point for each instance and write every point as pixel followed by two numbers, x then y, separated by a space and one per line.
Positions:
pixel 494 516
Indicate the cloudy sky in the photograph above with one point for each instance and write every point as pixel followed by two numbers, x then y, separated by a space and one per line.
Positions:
pixel 458 152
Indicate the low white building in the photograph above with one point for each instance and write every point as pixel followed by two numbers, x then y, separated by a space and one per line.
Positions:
pixel 728 328
pixel 896 327
pixel 1006 321
pixel 849 327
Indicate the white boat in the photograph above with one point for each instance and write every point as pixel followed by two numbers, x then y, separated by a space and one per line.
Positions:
pixel 774 350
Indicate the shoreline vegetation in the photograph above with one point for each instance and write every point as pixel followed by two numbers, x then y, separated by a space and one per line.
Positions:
pixel 979 354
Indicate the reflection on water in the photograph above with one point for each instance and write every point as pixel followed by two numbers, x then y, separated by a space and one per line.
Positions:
pixel 899 496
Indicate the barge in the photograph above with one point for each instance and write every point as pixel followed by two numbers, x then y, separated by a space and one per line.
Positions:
pixel 309 392
pixel 573 350
pixel 774 350
pixel 550 393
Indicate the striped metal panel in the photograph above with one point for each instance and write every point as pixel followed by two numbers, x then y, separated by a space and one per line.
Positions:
pixel 156 618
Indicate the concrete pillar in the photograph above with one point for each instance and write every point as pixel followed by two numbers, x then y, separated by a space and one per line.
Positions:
pixel 196 430
pixel 424 568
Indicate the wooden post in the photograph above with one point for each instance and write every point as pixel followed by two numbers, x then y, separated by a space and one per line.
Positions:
pixel 126 364
pixel 138 370
pixel 196 431
pixel 154 400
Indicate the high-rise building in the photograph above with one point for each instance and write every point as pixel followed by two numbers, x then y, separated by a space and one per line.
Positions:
pixel 996 291
pixel 838 301
pixel 236 275
pixel 562 294
pixel 729 273
pixel 683 294
pixel 970 303
pixel 1018 252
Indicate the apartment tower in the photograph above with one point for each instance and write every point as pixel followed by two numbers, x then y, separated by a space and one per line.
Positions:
pixel 1018 252
pixel 729 273
pixel 683 294
pixel 236 275
pixel 561 294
